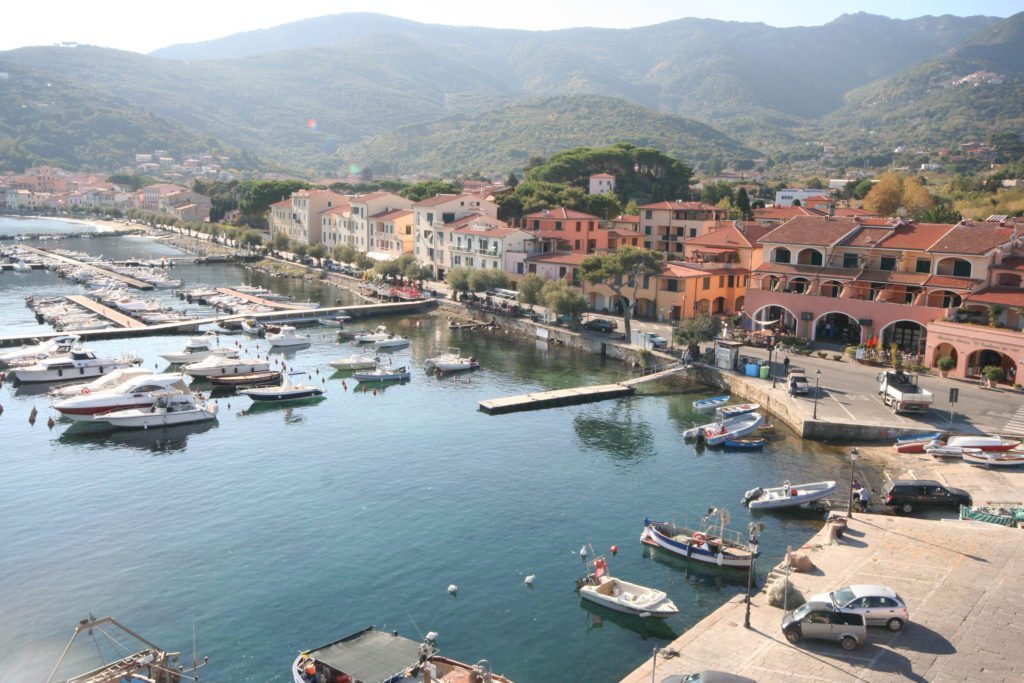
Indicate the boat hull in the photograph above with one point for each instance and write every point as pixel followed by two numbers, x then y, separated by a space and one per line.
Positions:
pixel 708 403
pixel 144 419
pixel 658 607
pixel 735 428
pixel 660 534
pixel 227 369
pixel 782 496
pixel 270 396
pixel 30 376
pixel 994 459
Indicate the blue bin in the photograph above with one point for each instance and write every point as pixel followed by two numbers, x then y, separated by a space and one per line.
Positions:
pixel 752 369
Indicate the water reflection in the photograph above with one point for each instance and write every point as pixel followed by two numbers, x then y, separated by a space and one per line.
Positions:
pixel 701 577
pixel 154 439
pixel 287 407
pixel 645 628
pixel 616 434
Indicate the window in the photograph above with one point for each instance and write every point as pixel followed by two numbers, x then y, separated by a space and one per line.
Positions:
pixel 408 230
pixel 721 281
pixel 536 224
pixel 962 268
pixel 577 247
pixel 782 255
pixel 558 225
pixel 447 217
pixel 647 245
pixel 731 282
pixel 850 260
pixel 647 230
pixel 648 214
pixel 672 285
pixel 924 265
pixel 706 284
pixel 578 224
pixel 430 219
pixel 888 263
pixel 458 260
pixel 693 232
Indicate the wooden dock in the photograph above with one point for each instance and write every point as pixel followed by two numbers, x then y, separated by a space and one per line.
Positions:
pixel 284 305
pixel 107 312
pixel 130 281
pixel 554 398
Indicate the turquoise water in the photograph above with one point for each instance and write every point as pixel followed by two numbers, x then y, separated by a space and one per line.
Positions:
pixel 284 528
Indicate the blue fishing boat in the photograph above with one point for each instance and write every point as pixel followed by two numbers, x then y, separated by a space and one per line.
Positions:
pixel 745 442
pixel 706 543
pixel 925 436
pixel 709 403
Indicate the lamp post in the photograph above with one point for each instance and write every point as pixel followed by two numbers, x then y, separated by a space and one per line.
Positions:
pixel 752 529
pixel 771 367
pixel 817 379
pixel 849 506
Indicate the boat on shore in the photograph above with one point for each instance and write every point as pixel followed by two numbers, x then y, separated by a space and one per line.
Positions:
pixel 286 391
pixel 732 428
pixel 623 596
pixel 709 403
pixel 1004 514
pixel 372 656
pixel 937 450
pixel 994 458
pixel 985 443
pixel 706 544
pixel 788 495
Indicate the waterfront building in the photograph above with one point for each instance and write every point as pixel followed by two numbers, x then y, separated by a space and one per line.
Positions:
pixel 390 234
pixel 735 243
pixel 666 225
pixel 431 215
pixel 844 280
pixel 483 242
pixel 151 195
pixel 576 231
pixel 300 216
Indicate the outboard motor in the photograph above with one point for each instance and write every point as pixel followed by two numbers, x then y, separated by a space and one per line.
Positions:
pixel 752 494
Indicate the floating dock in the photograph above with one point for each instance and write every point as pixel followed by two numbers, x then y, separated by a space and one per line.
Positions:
pixel 130 281
pixel 284 305
pixel 554 398
pixel 109 313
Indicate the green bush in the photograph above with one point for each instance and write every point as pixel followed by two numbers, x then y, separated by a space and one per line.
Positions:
pixel 946 363
pixel 837 356
pixel 993 373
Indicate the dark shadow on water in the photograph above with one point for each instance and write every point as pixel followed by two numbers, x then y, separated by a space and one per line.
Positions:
pixel 698 573
pixel 273 406
pixel 155 440
pixel 645 628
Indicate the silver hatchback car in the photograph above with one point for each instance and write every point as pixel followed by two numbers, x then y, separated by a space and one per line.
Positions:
pixel 821 620
pixel 879 605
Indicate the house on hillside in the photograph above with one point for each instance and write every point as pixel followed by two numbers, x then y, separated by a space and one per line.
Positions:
pixel 602 183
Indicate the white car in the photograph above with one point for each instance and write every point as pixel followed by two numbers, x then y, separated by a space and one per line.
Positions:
pixel 880 606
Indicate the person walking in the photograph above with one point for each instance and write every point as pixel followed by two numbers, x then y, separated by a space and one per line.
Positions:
pixel 785 365
pixel 864 496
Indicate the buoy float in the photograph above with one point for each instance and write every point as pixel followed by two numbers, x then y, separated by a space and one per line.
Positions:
pixel 364 388
pixel 343 385
pixel 583 551
pixel 1 410
pixel 453 589
pixel 243 411
pixel 51 422
pixel 32 415
pixel 529 580
pixel 615 549
pixel 318 371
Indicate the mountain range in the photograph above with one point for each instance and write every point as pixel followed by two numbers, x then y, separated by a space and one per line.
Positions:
pixel 321 94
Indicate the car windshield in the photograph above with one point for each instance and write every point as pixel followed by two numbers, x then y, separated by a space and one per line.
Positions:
pixel 801 612
pixel 842 596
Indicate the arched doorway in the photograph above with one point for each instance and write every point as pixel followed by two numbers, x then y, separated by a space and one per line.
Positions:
pixel 942 350
pixel 799 285
pixel 718 305
pixel 774 318
pixel 908 335
pixel 983 358
pixel 831 288
pixel 944 299
pixel 837 328
pixel 739 303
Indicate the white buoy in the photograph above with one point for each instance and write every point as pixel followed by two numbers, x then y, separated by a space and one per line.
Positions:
pixel 431 635
pixel 529 580
pixel 453 589
pixel 583 551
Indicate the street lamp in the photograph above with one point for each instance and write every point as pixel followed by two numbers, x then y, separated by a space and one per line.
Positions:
pixel 817 379
pixel 771 367
pixel 853 459
pixel 752 529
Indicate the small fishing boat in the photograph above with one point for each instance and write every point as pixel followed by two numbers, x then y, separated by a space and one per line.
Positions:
pixel 623 596
pixel 212 366
pixel 721 547
pixel 286 391
pixel 171 408
pixel 994 458
pixel 372 656
pixel 985 443
pixel 740 409
pixel 788 495
pixel 1004 514
pixel 287 337
pixel 697 430
pixel 336 320
pixel 392 342
pixel 745 442
pixel 260 378
pixel 733 427
pixel 350 334
pixel 937 450
pixel 198 348
pixel 452 360
pixel 915 443
pixel 253 327
pixel 380 333
pixel 382 374
pixel 709 403
pixel 354 362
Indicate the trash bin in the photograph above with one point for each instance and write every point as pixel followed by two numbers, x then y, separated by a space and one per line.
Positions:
pixel 764 370
pixel 752 369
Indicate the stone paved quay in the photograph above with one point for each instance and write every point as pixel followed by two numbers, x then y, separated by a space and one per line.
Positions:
pixel 962 582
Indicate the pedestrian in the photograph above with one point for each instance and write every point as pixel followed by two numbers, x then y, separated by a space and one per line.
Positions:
pixel 865 498
pixel 785 365
pixel 792 387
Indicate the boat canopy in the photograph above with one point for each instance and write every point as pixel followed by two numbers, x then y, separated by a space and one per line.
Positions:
pixel 369 655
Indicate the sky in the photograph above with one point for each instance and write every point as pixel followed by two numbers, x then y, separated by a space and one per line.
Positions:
pixel 144 27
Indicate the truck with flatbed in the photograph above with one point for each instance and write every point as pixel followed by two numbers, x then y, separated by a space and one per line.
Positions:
pixel 899 390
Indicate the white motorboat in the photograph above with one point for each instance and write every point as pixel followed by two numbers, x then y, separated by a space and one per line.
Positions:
pixel 21 267
pixel 623 596
pixel 286 391
pixel 733 427
pixel 382 374
pixel 788 495
pixel 994 458
pixel 354 362
pixel 392 342
pixel 380 333
pixel 452 360
pixel 170 408
pixel 336 320
pixel 219 365
pixel 937 450
pixel 107 381
pixel 720 547
pixel 137 392
pixel 985 443
pixel 252 326
pixel 44 349
pixel 287 336
pixel 77 365
pixel 198 348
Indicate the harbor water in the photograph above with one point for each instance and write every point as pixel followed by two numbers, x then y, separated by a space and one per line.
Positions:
pixel 277 529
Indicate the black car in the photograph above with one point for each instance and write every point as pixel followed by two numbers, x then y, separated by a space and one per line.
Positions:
pixel 600 325
pixel 906 495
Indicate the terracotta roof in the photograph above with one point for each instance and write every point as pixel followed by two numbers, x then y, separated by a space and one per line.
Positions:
pixel 867 236
pixel 622 232
pixel 602 175
pixel 782 213
pixel 283 202
pixel 811 231
pixel 565 257
pixel 679 205
pixel 371 196
pixel 973 238
pixel 488 230
pixel 437 199
pixel 625 218
pixel 731 236
pixel 894 277
pixel 915 236
pixel 806 271
pixel 675 269
pixel 562 214
pixel 339 209
pixel 476 218
pixel 392 215
pixel 854 211
pixel 1003 296
pixel 950 282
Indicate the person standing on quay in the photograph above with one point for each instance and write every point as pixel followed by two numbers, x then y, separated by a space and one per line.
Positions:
pixel 785 365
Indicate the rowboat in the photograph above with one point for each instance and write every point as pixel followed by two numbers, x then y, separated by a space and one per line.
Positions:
pixel 915 443
pixel 259 378
pixel 1004 514
pixel 722 547
pixel 372 656
pixel 788 495
pixel 937 450
pixel 744 442
pixel 739 409
pixel 709 403
pixel 995 458
pixel 733 427
pixel 623 596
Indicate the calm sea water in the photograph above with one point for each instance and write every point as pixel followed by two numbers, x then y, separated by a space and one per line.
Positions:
pixel 279 529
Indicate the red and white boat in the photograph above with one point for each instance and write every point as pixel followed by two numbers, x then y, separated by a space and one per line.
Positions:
pixel 137 392
pixel 995 459
pixel 985 443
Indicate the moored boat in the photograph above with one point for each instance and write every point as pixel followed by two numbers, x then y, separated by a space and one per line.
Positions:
pixel 623 596
pixel 286 391
pixel 60 344
pixel 740 409
pixel 745 442
pixel 286 337
pixel 721 547
pixel 452 360
pixel 137 392
pixel 259 378
pixel 733 428
pixel 170 408
pixel 354 362
pixel 382 374
pixel 393 341
pixel 79 364
pixel 372 656
pixel 215 366
pixel 788 495
pixel 709 403
pixel 336 320
pixel 380 333
pixel 198 348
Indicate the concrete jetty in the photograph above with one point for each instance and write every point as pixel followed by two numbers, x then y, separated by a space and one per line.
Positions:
pixel 130 281
pixel 554 398
pixel 284 305
pixel 105 311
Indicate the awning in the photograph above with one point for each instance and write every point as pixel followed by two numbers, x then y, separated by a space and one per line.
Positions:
pixel 380 256
pixel 713 250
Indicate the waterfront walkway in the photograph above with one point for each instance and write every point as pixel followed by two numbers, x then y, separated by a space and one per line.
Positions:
pixel 961 581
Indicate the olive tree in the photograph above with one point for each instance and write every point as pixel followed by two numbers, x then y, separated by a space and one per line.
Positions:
pixel 564 299
pixel 623 272
pixel 700 328
pixel 530 289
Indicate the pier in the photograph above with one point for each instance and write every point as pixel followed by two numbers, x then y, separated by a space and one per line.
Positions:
pixel 262 302
pixel 105 311
pixel 130 281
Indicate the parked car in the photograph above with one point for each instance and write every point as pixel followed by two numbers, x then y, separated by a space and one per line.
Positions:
pixel 600 325
pixel 821 620
pixel 707 676
pixel 657 341
pixel 797 381
pixel 879 605
pixel 906 495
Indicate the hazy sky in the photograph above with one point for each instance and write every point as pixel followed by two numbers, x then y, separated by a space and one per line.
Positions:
pixel 143 27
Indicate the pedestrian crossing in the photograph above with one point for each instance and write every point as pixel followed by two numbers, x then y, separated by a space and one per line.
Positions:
pixel 1015 426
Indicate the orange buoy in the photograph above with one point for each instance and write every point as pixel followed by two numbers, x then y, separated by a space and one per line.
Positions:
pixel 364 388
pixel 374 392
pixel 51 422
